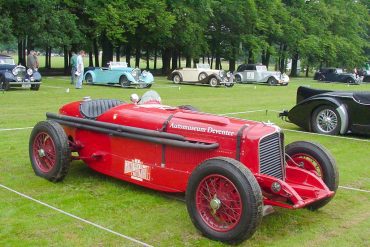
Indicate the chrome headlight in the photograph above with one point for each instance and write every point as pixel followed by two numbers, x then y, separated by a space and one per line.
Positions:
pixel 135 72
pixel 29 72
pixel 145 73
pixel 15 71
pixel 228 74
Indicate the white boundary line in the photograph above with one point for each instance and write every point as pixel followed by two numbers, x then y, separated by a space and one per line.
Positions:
pixel 355 189
pixel 76 217
pixel 11 129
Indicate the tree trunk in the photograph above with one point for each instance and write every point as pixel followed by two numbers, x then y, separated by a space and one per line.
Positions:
pixel 203 59
pixel 66 60
pixel 166 61
pixel 232 64
pixel 218 61
pixel 155 58
pixel 46 57
pixel 49 62
pixel 174 59
pixel 96 52
pixel 107 48
pixel 188 62
pixel 195 61
pixel 128 55
pixel 293 72
pixel 20 53
pixel 147 58
pixel 137 55
pixel 91 60
pixel 118 53
pixel 282 58
pixel 179 60
pixel 250 56
pixel 307 69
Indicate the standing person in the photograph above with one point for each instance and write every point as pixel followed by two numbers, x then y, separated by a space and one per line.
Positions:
pixel 32 62
pixel 73 67
pixel 36 60
pixel 80 69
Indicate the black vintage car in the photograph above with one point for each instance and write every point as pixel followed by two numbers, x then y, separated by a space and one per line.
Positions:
pixel 331 112
pixel 12 75
pixel 336 75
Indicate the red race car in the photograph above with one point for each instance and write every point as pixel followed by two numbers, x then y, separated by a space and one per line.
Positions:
pixel 229 169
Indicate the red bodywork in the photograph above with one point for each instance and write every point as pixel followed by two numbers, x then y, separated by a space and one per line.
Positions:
pixel 167 168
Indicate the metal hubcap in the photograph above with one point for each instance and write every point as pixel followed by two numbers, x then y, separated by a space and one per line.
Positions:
pixel 41 152
pixel 215 203
pixel 327 120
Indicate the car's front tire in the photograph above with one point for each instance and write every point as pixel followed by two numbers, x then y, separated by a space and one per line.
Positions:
pixel 5 85
pixel 224 200
pixel 123 81
pixel 176 79
pixel 272 81
pixel 213 82
pixel 326 120
pixel 317 160
pixel 238 79
pixel 89 79
pixel 49 151
pixel 35 87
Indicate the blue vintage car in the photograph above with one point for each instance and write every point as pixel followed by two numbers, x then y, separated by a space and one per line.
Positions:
pixel 119 74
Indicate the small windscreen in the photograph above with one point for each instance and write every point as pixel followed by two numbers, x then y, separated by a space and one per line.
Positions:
pixel 150 97
pixel 7 60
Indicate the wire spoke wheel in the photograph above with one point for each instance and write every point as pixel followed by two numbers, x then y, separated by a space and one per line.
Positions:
pixel 306 162
pixel 327 120
pixel 44 152
pixel 219 202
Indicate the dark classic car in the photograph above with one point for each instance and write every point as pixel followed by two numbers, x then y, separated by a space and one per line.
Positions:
pixel 12 75
pixel 331 112
pixel 230 169
pixel 336 75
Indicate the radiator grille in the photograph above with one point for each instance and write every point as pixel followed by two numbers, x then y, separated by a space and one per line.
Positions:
pixel 271 155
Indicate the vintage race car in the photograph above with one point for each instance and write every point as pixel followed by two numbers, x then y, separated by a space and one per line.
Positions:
pixel 331 112
pixel 202 74
pixel 336 75
pixel 119 74
pixel 230 169
pixel 12 75
pixel 258 73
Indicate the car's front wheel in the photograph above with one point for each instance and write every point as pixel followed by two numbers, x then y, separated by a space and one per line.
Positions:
pixel 229 84
pixel 238 79
pixel 176 79
pixel 326 120
pixel 89 79
pixel 35 87
pixel 317 160
pixel 4 84
pixel 213 82
pixel 123 81
pixel 49 151
pixel 272 81
pixel 224 200
pixel 351 81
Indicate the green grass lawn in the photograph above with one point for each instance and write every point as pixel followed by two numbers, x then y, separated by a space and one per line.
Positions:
pixel 150 216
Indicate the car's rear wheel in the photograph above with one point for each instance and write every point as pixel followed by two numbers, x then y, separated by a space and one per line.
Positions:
pixel 238 78
pixel 317 160
pixel 123 81
pixel 49 151
pixel 350 81
pixel 272 81
pixel 213 82
pixel 35 87
pixel 5 85
pixel 224 200
pixel 89 78
pixel 326 120
pixel 202 76
pixel 176 79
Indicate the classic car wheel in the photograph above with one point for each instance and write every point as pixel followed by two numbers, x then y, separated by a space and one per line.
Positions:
pixel 4 84
pixel 321 78
pixel 202 76
pixel 224 200
pixel 89 79
pixel 229 84
pixel 35 87
pixel 350 81
pixel 123 81
pixel 49 151
pixel 316 159
pixel 326 120
pixel 238 78
pixel 176 79
pixel 213 82
pixel 272 81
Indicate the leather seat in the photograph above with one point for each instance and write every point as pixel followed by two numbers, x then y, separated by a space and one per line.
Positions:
pixel 93 108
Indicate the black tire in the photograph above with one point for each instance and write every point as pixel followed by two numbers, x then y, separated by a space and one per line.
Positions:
pixel 229 84
pixel 238 79
pixel 49 140
pixel 326 120
pixel 89 79
pixel 176 79
pixel 202 76
pixel 188 107
pixel 35 87
pixel 213 82
pixel 350 81
pixel 272 81
pixel 321 78
pixel 242 182
pixel 4 84
pixel 325 162
pixel 123 81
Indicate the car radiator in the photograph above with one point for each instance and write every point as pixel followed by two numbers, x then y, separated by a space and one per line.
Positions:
pixel 271 155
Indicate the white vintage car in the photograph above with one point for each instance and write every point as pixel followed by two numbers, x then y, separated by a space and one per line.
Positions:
pixel 258 73
pixel 202 74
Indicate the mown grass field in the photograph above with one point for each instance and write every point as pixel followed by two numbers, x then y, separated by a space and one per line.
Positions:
pixel 153 217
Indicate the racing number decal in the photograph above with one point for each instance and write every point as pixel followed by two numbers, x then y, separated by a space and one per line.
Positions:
pixel 250 75
pixel 137 170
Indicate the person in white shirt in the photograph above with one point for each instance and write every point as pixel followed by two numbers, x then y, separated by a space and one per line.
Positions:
pixel 80 69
